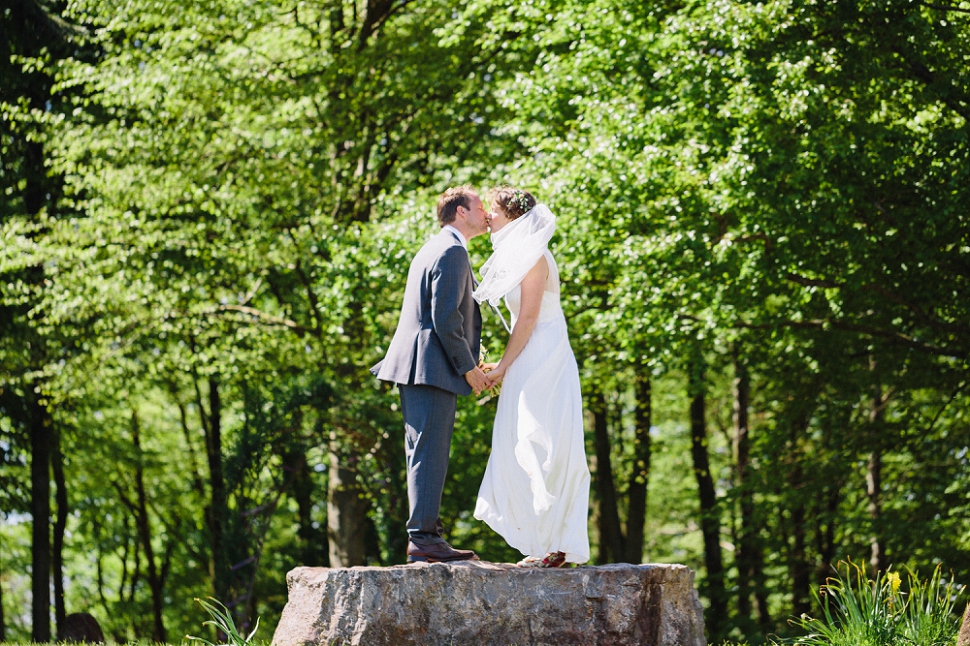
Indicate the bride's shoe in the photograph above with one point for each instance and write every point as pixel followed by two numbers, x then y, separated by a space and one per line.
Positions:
pixel 530 561
pixel 553 559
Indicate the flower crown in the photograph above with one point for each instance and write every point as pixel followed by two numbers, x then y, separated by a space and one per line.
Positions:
pixel 521 200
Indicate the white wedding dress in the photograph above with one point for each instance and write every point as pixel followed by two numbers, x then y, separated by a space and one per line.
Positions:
pixel 536 487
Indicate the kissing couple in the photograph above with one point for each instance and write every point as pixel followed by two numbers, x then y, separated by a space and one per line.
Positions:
pixel 535 492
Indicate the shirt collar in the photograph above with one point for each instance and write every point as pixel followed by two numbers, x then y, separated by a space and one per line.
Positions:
pixel 457 233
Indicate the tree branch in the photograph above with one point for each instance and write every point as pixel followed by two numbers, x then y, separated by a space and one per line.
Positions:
pixel 311 296
pixel 378 12
pixel 269 319
pixel 889 294
pixel 919 311
pixel 941 7
pixel 824 324
pixel 761 237
pixel 956 392
pixel 926 76
pixel 805 281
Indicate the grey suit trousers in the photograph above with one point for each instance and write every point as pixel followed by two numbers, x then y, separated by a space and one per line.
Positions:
pixel 429 420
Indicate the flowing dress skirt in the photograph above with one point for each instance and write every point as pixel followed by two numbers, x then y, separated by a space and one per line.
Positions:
pixel 536 487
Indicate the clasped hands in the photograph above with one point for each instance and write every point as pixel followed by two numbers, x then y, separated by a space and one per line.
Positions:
pixel 484 377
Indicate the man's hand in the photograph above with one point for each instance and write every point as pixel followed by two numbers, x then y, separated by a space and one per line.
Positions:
pixel 477 380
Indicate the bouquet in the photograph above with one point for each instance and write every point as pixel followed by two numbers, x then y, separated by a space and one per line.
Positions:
pixel 494 391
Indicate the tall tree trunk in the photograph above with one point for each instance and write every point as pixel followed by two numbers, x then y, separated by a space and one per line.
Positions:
pixel 710 513
pixel 877 550
pixel 302 493
pixel 143 523
pixel 798 560
pixel 60 525
pixel 41 443
pixel 346 512
pixel 36 191
pixel 640 475
pixel 798 565
pixel 197 484
pixel 99 563
pixel 747 555
pixel 336 21
pixel 611 534
pixel 314 545
pixel 126 548
pixel 219 500
pixel 397 502
pixel 761 592
pixel 3 623
pixel 825 534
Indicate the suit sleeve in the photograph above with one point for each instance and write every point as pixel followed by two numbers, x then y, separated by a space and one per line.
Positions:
pixel 449 281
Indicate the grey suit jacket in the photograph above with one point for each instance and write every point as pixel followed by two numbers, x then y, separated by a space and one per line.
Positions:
pixel 440 329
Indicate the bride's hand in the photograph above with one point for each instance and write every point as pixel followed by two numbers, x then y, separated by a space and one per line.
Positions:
pixel 488 367
pixel 496 374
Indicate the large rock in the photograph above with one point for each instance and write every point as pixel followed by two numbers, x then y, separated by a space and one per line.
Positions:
pixel 487 603
pixel 81 627
pixel 963 639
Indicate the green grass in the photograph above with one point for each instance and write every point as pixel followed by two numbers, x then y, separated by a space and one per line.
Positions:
pixel 221 620
pixel 859 611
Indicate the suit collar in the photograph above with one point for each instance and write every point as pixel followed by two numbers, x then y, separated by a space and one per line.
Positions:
pixel 457 234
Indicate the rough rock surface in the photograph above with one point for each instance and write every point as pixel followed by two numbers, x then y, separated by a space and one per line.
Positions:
pixel 489 603
pixel 964 638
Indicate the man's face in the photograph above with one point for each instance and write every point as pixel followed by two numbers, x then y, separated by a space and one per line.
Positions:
pixel 476 216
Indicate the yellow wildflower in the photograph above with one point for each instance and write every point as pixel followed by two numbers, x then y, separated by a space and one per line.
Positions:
pixel 894 582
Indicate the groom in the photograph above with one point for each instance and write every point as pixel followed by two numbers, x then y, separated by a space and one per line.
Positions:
pixel 433 358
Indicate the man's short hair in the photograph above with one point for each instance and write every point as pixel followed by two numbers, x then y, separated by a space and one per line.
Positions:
pixel 451 199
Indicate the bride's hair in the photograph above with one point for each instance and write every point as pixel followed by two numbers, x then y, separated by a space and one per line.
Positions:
pixel 514 202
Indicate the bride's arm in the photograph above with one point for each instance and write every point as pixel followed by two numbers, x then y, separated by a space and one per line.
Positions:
pixel 532 286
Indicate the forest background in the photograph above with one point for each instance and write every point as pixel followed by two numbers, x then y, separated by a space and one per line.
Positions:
pixel 207 210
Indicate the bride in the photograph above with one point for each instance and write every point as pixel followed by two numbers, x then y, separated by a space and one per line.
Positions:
pixel 536 487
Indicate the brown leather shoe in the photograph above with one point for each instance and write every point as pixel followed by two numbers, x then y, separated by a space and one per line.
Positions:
pixel 438 553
